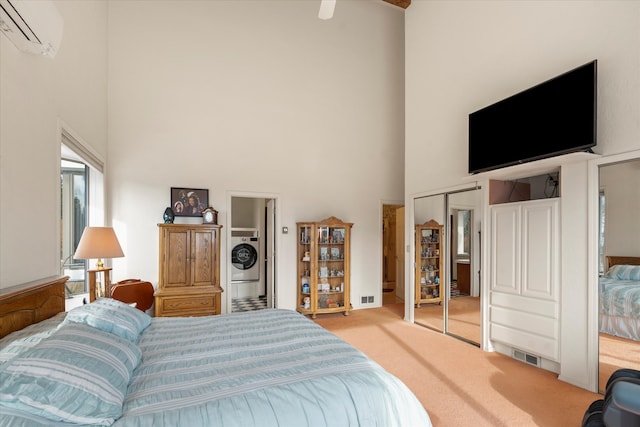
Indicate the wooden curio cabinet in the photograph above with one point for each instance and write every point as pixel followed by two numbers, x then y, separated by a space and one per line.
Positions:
pixel 428 263
pixel 324 267
pixel 189 270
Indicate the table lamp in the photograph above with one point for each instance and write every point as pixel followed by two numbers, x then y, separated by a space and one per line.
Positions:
pixel 98 243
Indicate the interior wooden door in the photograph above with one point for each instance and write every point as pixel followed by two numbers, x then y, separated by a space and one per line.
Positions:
pixel 399 255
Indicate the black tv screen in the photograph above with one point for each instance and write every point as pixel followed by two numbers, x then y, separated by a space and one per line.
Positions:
pixel 553 118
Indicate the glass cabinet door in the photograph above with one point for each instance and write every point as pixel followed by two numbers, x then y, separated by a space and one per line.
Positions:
pixel 330 267
pixel 428 263
pixel 304 268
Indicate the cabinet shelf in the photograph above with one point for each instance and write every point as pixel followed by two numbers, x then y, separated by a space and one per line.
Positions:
pixel 324 266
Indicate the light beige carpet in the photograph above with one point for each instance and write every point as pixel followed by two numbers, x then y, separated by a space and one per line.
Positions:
pixel 459 384
pixel 463 320
pixel 616 353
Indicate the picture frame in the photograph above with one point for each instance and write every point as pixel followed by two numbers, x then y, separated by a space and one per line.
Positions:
pixel 189 201
pixel 337 235
pixel 324 272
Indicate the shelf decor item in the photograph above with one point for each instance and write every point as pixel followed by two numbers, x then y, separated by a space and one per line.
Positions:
pixel 168 215
pixel 209 216
pixel 323 266
pixel 428 263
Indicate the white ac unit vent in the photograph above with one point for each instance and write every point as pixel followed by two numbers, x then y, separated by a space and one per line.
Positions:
pixel 33 26
pixel 526 357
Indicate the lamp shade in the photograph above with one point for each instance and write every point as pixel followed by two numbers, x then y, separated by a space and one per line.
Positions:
pixel 98 242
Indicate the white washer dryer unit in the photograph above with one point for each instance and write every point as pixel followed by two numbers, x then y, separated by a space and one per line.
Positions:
pixel 245 255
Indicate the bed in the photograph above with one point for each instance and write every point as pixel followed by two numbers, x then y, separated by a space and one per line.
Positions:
pixel 619 297
pixel 269 367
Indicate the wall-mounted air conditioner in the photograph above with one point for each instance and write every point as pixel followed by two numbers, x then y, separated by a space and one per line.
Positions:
pixel 34 26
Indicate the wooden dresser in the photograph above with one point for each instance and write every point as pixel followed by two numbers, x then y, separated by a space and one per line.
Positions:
pixel 189 270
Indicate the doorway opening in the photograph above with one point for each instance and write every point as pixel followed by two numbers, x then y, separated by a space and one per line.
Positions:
pixel 393 255
pixel 251 253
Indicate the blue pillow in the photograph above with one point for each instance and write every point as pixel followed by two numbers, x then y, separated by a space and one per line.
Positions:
pixel 77 375
pixel 112 316
pixel 624 272
pixel 22 340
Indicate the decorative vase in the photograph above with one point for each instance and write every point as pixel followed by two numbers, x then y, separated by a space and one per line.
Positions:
pixel 168 216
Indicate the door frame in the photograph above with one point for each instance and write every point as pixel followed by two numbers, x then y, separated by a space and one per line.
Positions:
pixel 399 264
pixel 273 241
pixel 593 214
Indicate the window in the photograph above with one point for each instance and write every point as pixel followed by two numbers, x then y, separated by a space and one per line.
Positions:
pixel 464 233
pixel 74 179
pixel 81 204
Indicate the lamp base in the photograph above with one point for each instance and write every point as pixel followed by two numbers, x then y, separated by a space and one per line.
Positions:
pixel 99 288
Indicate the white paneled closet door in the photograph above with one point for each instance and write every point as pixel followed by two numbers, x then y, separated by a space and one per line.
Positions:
pixel 524 297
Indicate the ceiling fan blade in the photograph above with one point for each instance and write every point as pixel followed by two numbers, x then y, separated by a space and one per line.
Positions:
pixel 326 9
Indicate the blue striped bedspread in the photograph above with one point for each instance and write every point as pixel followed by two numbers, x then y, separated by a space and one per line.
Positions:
pixel 619 297
pixel 262 368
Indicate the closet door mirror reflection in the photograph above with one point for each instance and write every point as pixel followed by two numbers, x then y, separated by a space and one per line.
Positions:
pixel 455 310
pixel 428 311
pixel 463 306
pixel 618 287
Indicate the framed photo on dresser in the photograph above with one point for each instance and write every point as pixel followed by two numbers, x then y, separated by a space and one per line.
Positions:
pixel 189 201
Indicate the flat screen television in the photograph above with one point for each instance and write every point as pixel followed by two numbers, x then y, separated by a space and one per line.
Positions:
pixel 550 119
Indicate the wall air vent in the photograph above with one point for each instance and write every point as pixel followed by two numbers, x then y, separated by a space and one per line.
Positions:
pixel 33 26
pixel 526 357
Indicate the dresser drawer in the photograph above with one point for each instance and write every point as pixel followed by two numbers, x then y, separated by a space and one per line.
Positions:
pixel 191 305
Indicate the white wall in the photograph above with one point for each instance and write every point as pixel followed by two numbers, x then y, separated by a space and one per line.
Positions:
pixel 261 97
pixel 35 93
pixel 462 56
pixel 247 213
pixel 622 194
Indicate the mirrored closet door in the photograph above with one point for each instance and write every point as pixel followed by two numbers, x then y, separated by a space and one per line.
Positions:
pixel 618 272
pixel 463 306
pixel 447 265
pixel 429 217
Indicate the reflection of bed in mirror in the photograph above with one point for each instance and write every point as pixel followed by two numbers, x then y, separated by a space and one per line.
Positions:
pixel 619 297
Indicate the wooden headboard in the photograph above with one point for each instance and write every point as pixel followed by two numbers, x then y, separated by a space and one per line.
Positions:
pixel 32 302
pixel 626 260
